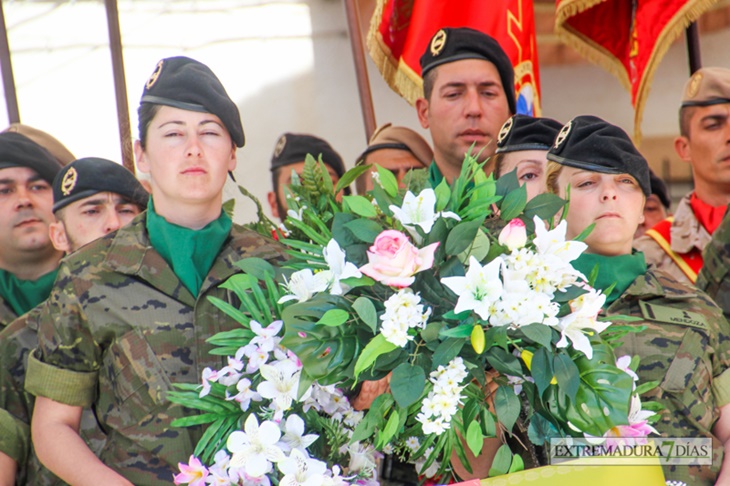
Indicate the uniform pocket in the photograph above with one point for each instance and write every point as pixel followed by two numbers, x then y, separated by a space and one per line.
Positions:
pixel 135 381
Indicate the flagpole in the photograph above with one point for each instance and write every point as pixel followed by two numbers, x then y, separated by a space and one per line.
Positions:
pixel 361 69
pixel 11 98
pixel 693 48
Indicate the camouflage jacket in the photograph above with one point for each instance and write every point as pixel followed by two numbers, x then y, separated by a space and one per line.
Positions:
pixel 686 234
pixel 7 315
pixel 714 277
pixel 686 348
pixel 16 405
pixel 120 329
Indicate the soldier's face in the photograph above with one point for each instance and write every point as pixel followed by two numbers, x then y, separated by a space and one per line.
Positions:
pixel 85 220
pixel 614 202
pixel 188 156
pixel 654 212
pixel 707 148
pixel 399 162
pixel 26 203
pixel 468 105
pixel 531 168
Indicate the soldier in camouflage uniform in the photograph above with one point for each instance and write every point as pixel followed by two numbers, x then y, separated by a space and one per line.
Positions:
pixel 130 313
pixel 28 260
pixel 686 343
pixel 92 197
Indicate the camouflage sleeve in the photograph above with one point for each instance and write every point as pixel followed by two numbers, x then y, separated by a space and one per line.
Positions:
pixel 721 356
pixel 65 365
pixel 14 437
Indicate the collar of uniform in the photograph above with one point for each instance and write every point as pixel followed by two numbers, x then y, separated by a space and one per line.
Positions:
pixel 687 233
pixel 654 284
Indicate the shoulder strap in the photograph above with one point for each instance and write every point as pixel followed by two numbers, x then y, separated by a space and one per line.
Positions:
pixel 690 263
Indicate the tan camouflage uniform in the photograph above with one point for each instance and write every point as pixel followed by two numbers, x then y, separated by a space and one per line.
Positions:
pixel 7 315
pixel 686 233
pixel 16 405
pixel 120 329
pixel 686 347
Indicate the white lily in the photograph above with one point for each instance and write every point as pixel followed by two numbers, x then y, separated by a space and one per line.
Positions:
pixel 339 267
pixel 419 211
pixel 281 385
pixel 304 284
pixel 479 289
pixel 300 470
pixel 294 437
pixel 553 242
pixel 582 320
pixel 254 448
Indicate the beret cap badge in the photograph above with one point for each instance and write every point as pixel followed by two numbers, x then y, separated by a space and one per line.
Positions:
pixel 155 75
pixel 563 134
pixel 280 145
pixel 504 131
pixel 438 42
pixel 694 85
pixel 69 181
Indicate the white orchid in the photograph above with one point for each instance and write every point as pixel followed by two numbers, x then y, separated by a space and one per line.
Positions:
pixel 294 437
pixel 479 288
pixel 339 267
pixel 304 284
pixel 266 337
pixel 245 394
pixel 419 211
pixel 254 448
pixel 300 470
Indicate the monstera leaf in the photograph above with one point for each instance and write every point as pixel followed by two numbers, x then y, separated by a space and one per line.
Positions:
pixel 326 350
pixel 604 393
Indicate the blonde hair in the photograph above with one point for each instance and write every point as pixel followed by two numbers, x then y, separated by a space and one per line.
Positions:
pixel 553 172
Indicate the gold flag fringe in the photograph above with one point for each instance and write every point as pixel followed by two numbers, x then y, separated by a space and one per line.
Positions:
pixel 596 54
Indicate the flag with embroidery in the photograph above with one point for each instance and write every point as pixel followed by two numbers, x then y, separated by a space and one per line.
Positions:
pixel 628 38
pixel 400 31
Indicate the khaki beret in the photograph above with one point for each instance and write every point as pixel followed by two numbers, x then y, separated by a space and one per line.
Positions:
pixel 401 138
pixel 707 86
pixel 45 140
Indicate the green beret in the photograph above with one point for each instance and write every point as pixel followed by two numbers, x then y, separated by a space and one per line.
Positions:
pixel 292 148
pixel 522 132
pixel 592 144
pixel 456 44
pixel 88 176
pixel 17 150
pixel 187 84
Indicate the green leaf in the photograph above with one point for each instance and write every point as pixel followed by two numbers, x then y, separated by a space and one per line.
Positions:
pixel 360 205
pixel 502 461
pixel 572 292
pixel 462 236
pixel 540 430
pixel 479 248
pixel 544 206
pixel 391 427
pixel 443 194
pixel 542 369
pixel 334 317
pixel 584 234
pixel 507 406
pixel 461 331
pixel 204 418
pixel 507 183
pixel 513 203
pixel 388 181
pixel 566 372
pixel 353 282
pixel 366 312
pixel 538 333
pixel 364 229
pixel 256 267
pixel 489 425
pixel 350 176
pixel 446 351
pixel 407 384
pixel 231 311
pixel 517 464
pixel 504 362
pixel 432 331
pixel 474 438
pixel 645 387
pixel 377 346
pixel 497 336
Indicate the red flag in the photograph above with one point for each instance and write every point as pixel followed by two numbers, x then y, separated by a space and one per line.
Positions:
pixel 401 30
pixel 626 37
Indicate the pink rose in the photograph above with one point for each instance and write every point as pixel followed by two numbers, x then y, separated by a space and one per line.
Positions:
pixel 393 260
pixel 514 235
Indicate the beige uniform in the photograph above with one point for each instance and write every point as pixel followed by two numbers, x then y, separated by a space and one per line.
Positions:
pixel 686 234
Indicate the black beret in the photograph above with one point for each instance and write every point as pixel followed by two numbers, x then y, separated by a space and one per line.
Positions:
pixel 660 189
pixel 190 85
pixel 456 44
pixel 522 132
pixel 589 143
pixel 88 176
pixel 17 150
pixel 293 147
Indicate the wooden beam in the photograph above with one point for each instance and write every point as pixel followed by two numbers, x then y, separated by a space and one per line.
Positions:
pixel 120 84
pixel 11 98
pixel 361 69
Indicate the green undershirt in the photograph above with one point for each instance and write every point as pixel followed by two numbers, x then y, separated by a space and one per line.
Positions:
pixel 23 295
pixel 621 270
pixel 189 252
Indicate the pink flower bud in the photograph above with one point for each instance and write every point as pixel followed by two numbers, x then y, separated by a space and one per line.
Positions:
pixel 514 235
